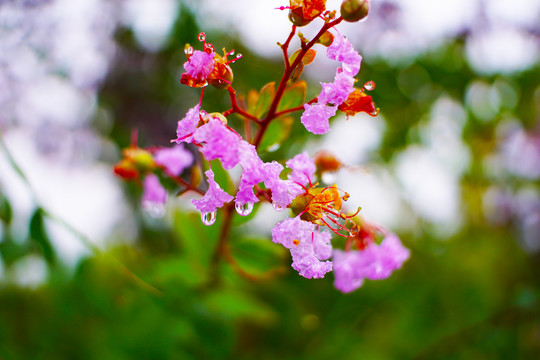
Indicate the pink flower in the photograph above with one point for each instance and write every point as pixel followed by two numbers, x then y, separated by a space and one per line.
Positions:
pixel 254 173
pixel 174 159
pixel 337 92
pixel 218 142
pixel 343 51
pixel 345 277
pixel 214 198
pixel 154 195
pixel 375 262
pixel 200 64
pixel 308 247
pixel 283 191
pixel 303 168
pixel 316 116
pixel 188 125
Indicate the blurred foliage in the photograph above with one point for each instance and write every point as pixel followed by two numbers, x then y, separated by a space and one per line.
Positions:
pixel 473 296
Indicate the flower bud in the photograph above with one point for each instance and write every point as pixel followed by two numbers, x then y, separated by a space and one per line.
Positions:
pixel 141 159
pixel 326 161
pixel 354 10
pixel 296 16
pixel 223 77
pixel 302 12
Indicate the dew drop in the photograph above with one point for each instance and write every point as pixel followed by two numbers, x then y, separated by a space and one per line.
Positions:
pixel 370 85
pixel 208 218
pixel 244 209
pixel 202 37
pixel 238 56
pixel 188 50
pixel 277 207
pixel 375 113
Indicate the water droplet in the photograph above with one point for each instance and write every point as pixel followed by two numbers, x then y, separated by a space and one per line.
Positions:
pixel 208 218
pixel 244 209
pixel 375 113
pixel 370 85
pixel 188 50
pixel 231 53
pixel 238 56
pixel 277 207
pixel 155 210
pixel 202 37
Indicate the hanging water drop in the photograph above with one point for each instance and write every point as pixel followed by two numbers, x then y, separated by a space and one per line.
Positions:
pixel 375 112
pixel 370 85
pixel 188 50
pixel 277 207
pixel 244 209
pixel 208 218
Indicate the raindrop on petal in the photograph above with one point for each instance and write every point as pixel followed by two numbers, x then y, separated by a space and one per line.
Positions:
pixel 244 209
pixel 208 218
pixel 370 85
pixel 375 113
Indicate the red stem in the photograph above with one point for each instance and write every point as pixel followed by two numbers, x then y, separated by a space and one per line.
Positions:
pixel 271 115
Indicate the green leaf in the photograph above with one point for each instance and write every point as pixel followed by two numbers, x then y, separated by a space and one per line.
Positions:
pixel 297 73
pixel 257 255
pixel 293 96
pixel 6 212
pixel 198 240
pixel 40 236
pixel 232 304
pixel 222 177
pixel 308 58
pixel 266 95
pixel 277 131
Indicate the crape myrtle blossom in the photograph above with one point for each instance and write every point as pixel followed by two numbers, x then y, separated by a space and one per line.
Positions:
pixel 188 125
pixel 375 262
pixel 154 195
pixel 214 198
pixel 200 64
pixel 309 247
pixel 174 159
pixel 218 141
pixel 317 210
pixel 316 116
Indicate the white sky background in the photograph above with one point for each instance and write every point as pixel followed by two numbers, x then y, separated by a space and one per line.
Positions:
pixel 54 55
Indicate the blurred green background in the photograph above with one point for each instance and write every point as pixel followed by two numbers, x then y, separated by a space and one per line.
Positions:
pixel 468 293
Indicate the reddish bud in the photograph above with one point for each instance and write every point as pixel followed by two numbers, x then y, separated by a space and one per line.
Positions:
pixel 326 161
pixel 357 102
pixel 126 170
pixel 302 12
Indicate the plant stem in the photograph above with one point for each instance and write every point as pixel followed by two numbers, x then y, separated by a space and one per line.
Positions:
pixel 271 115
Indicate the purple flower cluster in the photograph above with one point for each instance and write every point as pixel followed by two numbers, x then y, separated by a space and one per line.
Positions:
pixel 309 247
pixel 316 116
pixel 375 262
pixel 217 141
